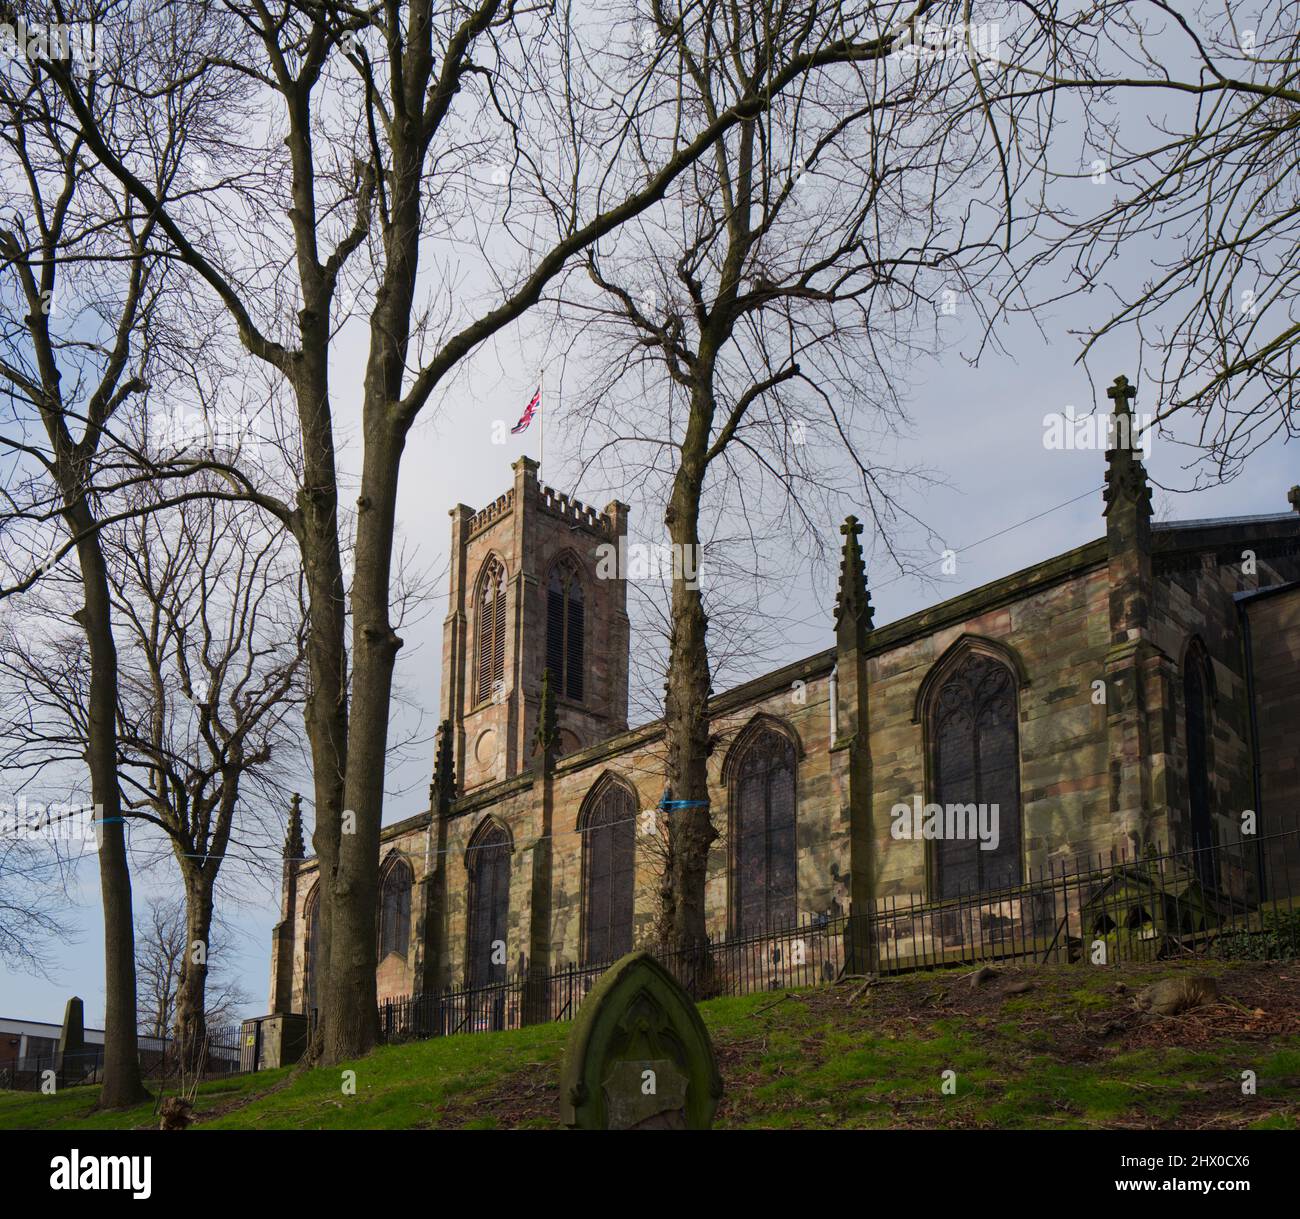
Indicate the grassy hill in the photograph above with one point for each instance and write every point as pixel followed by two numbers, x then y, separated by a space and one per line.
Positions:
pixel 1070 1052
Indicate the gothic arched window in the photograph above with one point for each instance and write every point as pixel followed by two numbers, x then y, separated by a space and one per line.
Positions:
pixel 763 834
pixel 311 966
pixel 490 630
pixel 976 761
pixel 565 629
pixel 608 827
pixel 488 860
pixel 395 909
pixel 1197 711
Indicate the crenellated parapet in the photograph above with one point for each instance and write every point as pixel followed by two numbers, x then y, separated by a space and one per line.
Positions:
pixel 559 504
pixel 503 505
pixel 574 511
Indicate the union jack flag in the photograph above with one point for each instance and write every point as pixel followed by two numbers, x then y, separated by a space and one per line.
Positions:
pixel 530 410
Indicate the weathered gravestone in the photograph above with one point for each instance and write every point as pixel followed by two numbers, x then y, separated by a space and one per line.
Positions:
pixel 72 1060
pixel 639 1056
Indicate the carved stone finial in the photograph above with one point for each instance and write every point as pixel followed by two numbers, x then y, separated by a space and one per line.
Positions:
pixel 1121 393
pixel 1293 498
pixel 853 604
pixel 1126 476
pixel 294 846
pixel 443 788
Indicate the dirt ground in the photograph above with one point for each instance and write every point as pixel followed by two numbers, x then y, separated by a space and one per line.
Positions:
pixel 1069 1044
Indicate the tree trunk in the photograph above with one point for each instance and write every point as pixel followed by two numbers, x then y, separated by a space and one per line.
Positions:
pixel 351 1010
pixel 191 985
pixel 351 1016
pixel 686 697
pixel 123 1084
pixel 326 711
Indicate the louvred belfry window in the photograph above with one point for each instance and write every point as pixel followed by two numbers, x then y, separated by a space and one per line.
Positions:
pixel 977 761
pixel 395 910
pixel 490 631
pixel 763 835
pixel 489 904
pixel 565 630
pixel 608 858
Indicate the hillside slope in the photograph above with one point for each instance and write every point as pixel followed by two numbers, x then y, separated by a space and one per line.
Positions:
pixel 1072 1051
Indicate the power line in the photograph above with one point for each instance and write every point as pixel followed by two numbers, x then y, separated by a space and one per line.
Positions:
pixel 1029 520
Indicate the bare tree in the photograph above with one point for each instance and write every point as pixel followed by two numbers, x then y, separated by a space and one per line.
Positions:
pixel 385 120
pixel 1189 158
pixel 760 314
pixel 210 627
pixel 210 604
pixel 41 840
pixel 82 288
pixel 163 946
pixel 33 895
pixel 742 566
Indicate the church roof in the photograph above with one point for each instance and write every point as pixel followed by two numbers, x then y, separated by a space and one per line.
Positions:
pixel 1211 522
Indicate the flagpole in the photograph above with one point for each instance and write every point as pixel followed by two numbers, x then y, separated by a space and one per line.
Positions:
pixel 541 405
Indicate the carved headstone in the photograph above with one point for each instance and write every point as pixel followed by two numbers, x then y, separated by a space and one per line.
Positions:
pixel 639 1056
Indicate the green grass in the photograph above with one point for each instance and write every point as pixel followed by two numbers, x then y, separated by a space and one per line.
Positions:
pixel 74 1108
pixel 403 1086
pixel 1044 1059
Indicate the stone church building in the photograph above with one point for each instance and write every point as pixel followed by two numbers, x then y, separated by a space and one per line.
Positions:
pixel 1141 689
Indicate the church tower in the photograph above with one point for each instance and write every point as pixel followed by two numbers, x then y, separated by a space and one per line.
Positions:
pixel 529 591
